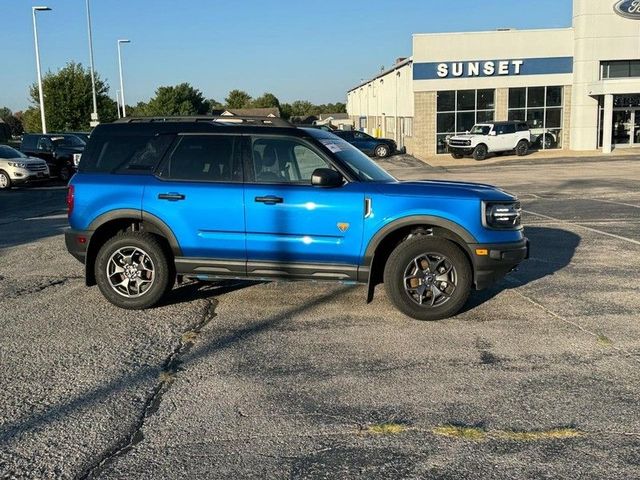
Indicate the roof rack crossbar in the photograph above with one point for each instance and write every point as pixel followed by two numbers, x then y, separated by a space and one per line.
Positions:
pixel 228 119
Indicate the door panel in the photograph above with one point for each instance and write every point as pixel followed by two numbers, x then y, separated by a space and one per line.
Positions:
pixel 199 195
pixel 306 225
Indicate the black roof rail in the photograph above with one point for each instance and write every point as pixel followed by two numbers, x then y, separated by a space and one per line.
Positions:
pixel 226 119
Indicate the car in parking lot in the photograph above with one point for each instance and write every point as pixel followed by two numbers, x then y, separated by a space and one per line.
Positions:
pixel 372 146
pixel 62 152
pixel 492 137
pixel 17 169
pixel 201 198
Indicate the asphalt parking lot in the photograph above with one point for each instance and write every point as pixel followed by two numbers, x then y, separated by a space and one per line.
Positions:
pixel 537 378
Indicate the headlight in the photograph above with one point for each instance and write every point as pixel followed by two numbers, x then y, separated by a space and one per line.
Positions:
pixel 18 164
pixel 502 215
pixel 76 159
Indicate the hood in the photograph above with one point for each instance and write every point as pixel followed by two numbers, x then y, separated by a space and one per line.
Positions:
pixel 28 160
pixel 465 136
pixel 445 189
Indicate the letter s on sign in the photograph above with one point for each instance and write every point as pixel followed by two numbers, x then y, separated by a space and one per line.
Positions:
pixel 489 68
pixel 443 70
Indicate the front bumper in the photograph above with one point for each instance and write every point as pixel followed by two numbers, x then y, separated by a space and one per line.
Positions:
pixel 461 150
pixel 500 259
pixel 77 243
pixel 20 176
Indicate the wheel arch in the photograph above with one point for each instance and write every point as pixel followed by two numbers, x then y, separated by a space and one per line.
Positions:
pixel 109 224
pixel 392 234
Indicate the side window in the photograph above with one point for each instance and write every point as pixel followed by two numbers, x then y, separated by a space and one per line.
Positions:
pixel 284 160
pixel 44 144
pixel 361 135
pixel 203 158
pixel 500 129
pixel 124 153
pixel 510 128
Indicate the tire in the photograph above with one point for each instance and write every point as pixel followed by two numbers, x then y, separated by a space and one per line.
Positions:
pixel 522 148
pixel 144 250
pixel 5 180
pixel 382 151
pixel 64 174
pixel 456 155
pixel 480 152
pixel 549 142
pixel 428 253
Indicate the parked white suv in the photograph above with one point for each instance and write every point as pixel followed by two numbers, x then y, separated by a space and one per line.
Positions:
pixel 496 137
pixel 16 168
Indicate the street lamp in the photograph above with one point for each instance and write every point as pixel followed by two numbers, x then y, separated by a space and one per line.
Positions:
pixel 35 36
pixel 124 108
pixel 118 103
pixel 94 115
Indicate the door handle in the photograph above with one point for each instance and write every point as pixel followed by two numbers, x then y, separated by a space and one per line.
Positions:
pixel 269 200
pixel 172 197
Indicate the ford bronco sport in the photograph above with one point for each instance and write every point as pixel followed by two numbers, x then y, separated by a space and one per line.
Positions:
pixel 486 138
pixel 207 199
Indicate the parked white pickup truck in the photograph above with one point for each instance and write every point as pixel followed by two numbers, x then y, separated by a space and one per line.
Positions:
pixel 496 137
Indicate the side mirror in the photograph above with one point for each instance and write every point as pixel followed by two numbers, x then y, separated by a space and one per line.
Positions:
pixel 493 133
pixel 326 178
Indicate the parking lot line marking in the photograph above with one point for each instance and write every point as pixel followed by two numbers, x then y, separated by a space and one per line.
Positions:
pixel 565 222
pixel 550 312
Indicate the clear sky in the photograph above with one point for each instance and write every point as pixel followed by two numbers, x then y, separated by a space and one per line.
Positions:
pixel 297 49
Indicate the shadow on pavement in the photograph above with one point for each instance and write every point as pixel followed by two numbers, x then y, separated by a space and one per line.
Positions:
pixel 552 249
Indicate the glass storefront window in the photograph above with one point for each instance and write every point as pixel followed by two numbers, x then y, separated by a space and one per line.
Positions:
pixel 517 98
pixel 447 101
pixel 458 111
pixel 542 109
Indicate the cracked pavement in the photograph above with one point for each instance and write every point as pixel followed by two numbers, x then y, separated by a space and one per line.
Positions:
pixel 289 380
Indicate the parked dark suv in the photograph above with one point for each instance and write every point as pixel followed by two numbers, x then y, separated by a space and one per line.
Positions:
pixel 204 198
pixel 62 152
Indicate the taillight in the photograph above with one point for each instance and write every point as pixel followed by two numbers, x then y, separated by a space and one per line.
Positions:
pixel 70 199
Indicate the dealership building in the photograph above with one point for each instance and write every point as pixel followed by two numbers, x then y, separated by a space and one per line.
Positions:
pixel 578 88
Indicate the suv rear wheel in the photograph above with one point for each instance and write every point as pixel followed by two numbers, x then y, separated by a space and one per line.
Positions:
pixel 133 271
pixel 428 278
pixel 480 152
pixel 522 148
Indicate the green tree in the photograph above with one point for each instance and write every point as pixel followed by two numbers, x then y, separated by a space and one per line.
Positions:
pixel 302 108
pixel 31 120
pixel 238 99
pixel 267 100
pixel 181 100
pixel 12 120
pixel 68 100
pixel 215 105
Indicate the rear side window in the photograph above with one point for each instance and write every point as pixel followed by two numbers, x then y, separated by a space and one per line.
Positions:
pixel 124 153
pixel 204 158
pixel 510 128
pixel 29 142
pixel 522 127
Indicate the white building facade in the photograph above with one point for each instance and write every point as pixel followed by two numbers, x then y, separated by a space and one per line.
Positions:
pixel 578 88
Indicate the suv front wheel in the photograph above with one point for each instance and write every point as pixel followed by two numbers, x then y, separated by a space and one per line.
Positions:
pixel 480 152
pixel 382 151
pixel 132 271
pixel 428 278
pixel 522 148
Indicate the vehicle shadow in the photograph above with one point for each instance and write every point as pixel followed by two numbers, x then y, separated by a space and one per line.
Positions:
pixel 552 249
pixel 196 290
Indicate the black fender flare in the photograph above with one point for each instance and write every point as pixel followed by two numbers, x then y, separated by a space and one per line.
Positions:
pixel 366 269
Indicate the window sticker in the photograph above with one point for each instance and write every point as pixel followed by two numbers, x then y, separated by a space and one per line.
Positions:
pixel 331 145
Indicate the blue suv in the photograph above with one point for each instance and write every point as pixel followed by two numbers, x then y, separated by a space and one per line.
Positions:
pixel 212 198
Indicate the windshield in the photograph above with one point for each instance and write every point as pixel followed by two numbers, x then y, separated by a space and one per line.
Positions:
pixel 8 152
pixel 68 141
pixel 480 130
pixel 365 168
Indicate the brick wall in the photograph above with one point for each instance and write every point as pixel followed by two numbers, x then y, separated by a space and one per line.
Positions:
pixel 566 117
pixel 423 142
pixel 502 104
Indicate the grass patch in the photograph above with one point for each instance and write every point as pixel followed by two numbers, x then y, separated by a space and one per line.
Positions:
pixel 386 429
pixel 604 341
pixel 464 433
pixel 534 436
pixel 189 337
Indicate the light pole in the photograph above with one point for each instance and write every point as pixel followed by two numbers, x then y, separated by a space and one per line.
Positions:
pixel 94 116
pixel 124 108
pixel 35 36
pixel 118 103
